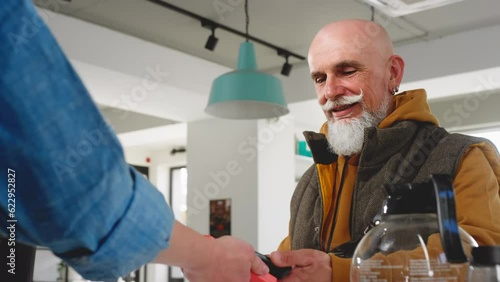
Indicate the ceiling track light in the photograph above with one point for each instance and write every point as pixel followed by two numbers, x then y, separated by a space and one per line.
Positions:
pixel 287 67
pixel 212 40
pixel 246 92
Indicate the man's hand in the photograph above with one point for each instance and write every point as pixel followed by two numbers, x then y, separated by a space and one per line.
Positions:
pixel 308 265
pixel 229 259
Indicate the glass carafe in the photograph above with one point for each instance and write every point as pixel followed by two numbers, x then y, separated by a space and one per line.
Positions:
pixel 417 239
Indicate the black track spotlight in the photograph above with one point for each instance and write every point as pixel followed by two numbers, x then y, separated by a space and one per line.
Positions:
pixel 287 68
pixel 211 41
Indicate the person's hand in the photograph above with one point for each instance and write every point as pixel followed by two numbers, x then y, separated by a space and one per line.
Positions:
pixel 308 265
pixel 228 259
pixel 206 259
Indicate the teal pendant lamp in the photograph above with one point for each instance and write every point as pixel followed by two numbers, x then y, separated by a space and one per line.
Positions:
pixel 246 93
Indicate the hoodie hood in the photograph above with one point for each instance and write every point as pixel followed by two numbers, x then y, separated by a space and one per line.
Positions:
pixel 409 105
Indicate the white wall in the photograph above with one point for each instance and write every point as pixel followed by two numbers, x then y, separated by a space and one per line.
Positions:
pixel 276 174
pixel 136 156
pixel 222 164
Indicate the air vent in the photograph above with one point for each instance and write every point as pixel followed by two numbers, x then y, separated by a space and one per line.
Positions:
pixel 398 8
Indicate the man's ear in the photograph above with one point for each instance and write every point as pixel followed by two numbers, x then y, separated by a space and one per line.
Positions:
pixel 397 71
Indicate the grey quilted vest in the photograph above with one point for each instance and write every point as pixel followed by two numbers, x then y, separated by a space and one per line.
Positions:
pixel 409 151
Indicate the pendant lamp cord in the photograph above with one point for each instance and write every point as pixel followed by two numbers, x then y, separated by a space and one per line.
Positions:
pixel 247 19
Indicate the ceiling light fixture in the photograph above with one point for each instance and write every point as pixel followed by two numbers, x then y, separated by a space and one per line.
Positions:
pixel 246 93
pixel 212 40
pixel 286 68
pixel 207 23
pixel 398 8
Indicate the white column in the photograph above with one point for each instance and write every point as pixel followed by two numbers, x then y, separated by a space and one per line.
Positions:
pixel 276 174
pixel 249 162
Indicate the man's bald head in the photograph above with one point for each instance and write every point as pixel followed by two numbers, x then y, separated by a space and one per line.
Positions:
pixel 359 36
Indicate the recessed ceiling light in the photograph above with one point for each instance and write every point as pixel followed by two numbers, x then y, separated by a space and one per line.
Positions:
pixel 398 8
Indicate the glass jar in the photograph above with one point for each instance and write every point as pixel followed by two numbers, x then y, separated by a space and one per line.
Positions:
pixel 417 238
pixel 407 247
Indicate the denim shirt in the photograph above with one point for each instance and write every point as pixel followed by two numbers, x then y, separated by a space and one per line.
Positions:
pixel 66 184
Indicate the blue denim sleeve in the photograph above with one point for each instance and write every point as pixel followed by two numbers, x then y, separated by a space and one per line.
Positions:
pixel 72 189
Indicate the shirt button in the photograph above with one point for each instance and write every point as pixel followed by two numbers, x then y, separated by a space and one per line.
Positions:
pixel 316 229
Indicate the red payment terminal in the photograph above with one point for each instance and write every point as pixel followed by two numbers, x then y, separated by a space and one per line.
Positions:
pixel 263 278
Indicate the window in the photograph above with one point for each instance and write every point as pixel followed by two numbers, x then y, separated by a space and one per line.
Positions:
pixel 178 202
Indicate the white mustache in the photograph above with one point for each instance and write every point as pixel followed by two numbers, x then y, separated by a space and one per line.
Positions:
pixel 342 101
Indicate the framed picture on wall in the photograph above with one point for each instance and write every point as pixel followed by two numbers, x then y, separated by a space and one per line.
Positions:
pixel 220 217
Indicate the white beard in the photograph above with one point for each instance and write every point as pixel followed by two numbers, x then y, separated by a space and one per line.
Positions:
pixel 346 136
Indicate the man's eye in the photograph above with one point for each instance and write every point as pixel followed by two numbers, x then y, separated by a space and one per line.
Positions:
pixel 348 72
pixel 318 80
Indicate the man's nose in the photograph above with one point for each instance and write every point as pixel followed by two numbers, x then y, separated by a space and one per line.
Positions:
pixel 333 89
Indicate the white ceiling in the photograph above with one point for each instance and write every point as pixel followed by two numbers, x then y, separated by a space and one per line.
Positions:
pixel 290 24
pixel 116 45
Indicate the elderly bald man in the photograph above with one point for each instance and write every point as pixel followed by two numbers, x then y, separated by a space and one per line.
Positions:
pixel 370 138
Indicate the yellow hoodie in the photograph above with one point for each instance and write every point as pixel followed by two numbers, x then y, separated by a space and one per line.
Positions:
pixel 477 181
